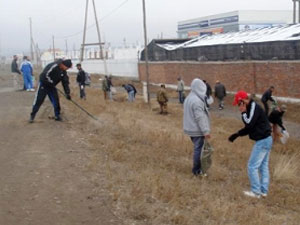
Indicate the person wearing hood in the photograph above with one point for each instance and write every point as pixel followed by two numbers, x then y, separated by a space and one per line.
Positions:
pixel 196 121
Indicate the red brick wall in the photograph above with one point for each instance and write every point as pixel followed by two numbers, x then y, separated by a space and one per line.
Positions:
pixel 253 77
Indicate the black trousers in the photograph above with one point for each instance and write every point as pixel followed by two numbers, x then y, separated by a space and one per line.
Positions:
pixel 40 96
pixel 266 108
pixel 82 90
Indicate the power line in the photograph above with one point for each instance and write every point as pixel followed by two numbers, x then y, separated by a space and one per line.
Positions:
pixel 100 20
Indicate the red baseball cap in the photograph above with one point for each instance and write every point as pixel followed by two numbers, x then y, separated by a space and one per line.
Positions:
pixel 240 95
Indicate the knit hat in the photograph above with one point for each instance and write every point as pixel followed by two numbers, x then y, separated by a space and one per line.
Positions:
pixel 67 63
pixel 240 95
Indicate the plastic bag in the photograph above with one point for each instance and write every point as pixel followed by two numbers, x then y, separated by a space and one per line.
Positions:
pixel 113 90
pixel 206 156
pixel 210 100
pixel 284 137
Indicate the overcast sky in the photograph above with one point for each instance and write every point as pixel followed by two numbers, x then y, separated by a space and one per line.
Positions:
pixel 64 18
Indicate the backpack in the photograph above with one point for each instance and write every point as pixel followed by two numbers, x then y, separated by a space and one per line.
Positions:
pixel 87 78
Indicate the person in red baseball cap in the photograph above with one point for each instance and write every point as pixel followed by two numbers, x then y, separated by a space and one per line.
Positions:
pixel 239 97
pixel 258 128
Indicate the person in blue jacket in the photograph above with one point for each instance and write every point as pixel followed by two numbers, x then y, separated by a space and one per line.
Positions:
pixel 27 70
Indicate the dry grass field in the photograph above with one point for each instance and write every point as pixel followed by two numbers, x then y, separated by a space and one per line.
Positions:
pixel 148 160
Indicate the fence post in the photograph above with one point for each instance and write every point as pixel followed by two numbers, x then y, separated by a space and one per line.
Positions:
pixel 145 92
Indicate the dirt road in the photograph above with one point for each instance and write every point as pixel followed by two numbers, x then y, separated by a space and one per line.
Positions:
pixel 43 168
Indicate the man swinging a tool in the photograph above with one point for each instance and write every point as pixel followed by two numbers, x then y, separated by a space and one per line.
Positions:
pixel 49 78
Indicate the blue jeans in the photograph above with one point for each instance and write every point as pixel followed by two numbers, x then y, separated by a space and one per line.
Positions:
pixel 258 166
pixel 130 96
pixel 198 144
pixel 109 94
pixel 181 96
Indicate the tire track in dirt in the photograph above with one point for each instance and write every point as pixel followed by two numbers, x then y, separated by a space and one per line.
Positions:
pixel 43 168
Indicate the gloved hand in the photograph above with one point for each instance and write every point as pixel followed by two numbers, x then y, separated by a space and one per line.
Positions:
pixel 233 137
pixel 68 97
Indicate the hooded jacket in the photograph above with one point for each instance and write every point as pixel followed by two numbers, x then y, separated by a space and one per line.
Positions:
pixel 52 75
pixel 256 122
pixel 196 121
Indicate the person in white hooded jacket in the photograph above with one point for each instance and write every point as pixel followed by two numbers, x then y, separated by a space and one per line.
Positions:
pixel 196 120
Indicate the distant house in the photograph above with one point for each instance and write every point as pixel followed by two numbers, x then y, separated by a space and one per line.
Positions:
pixel 48 55
pixel 233 22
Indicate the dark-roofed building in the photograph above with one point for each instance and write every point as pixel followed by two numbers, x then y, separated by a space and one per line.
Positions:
pixel 281 42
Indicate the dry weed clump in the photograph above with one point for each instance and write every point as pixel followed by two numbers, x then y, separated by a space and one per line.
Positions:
pixel 286 167
pixel 147 161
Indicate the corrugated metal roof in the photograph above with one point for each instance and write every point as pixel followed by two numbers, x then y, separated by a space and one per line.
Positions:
pixel 280 33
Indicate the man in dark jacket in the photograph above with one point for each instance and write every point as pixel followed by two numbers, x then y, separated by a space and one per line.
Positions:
pixel 220 93
pixel 266 97
pixel 131 91
pixel 52 74
pixel 258 128
pixel 275 119
pixel 16 73
pixel 81 81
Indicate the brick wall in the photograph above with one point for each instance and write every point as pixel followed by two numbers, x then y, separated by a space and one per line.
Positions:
pixel 253 77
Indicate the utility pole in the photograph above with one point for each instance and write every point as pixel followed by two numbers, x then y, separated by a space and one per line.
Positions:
pixel 74 53
pixel 53 47
pixel 295 11
pixel 146 51
pixel 66 41
pixel 31 40
pixel 84 31
pixel 38 55
pixel 99 39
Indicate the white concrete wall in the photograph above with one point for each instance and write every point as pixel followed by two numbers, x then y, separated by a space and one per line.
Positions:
pixel 115 67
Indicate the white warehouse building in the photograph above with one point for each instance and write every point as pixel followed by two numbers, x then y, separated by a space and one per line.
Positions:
pixel 233 21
